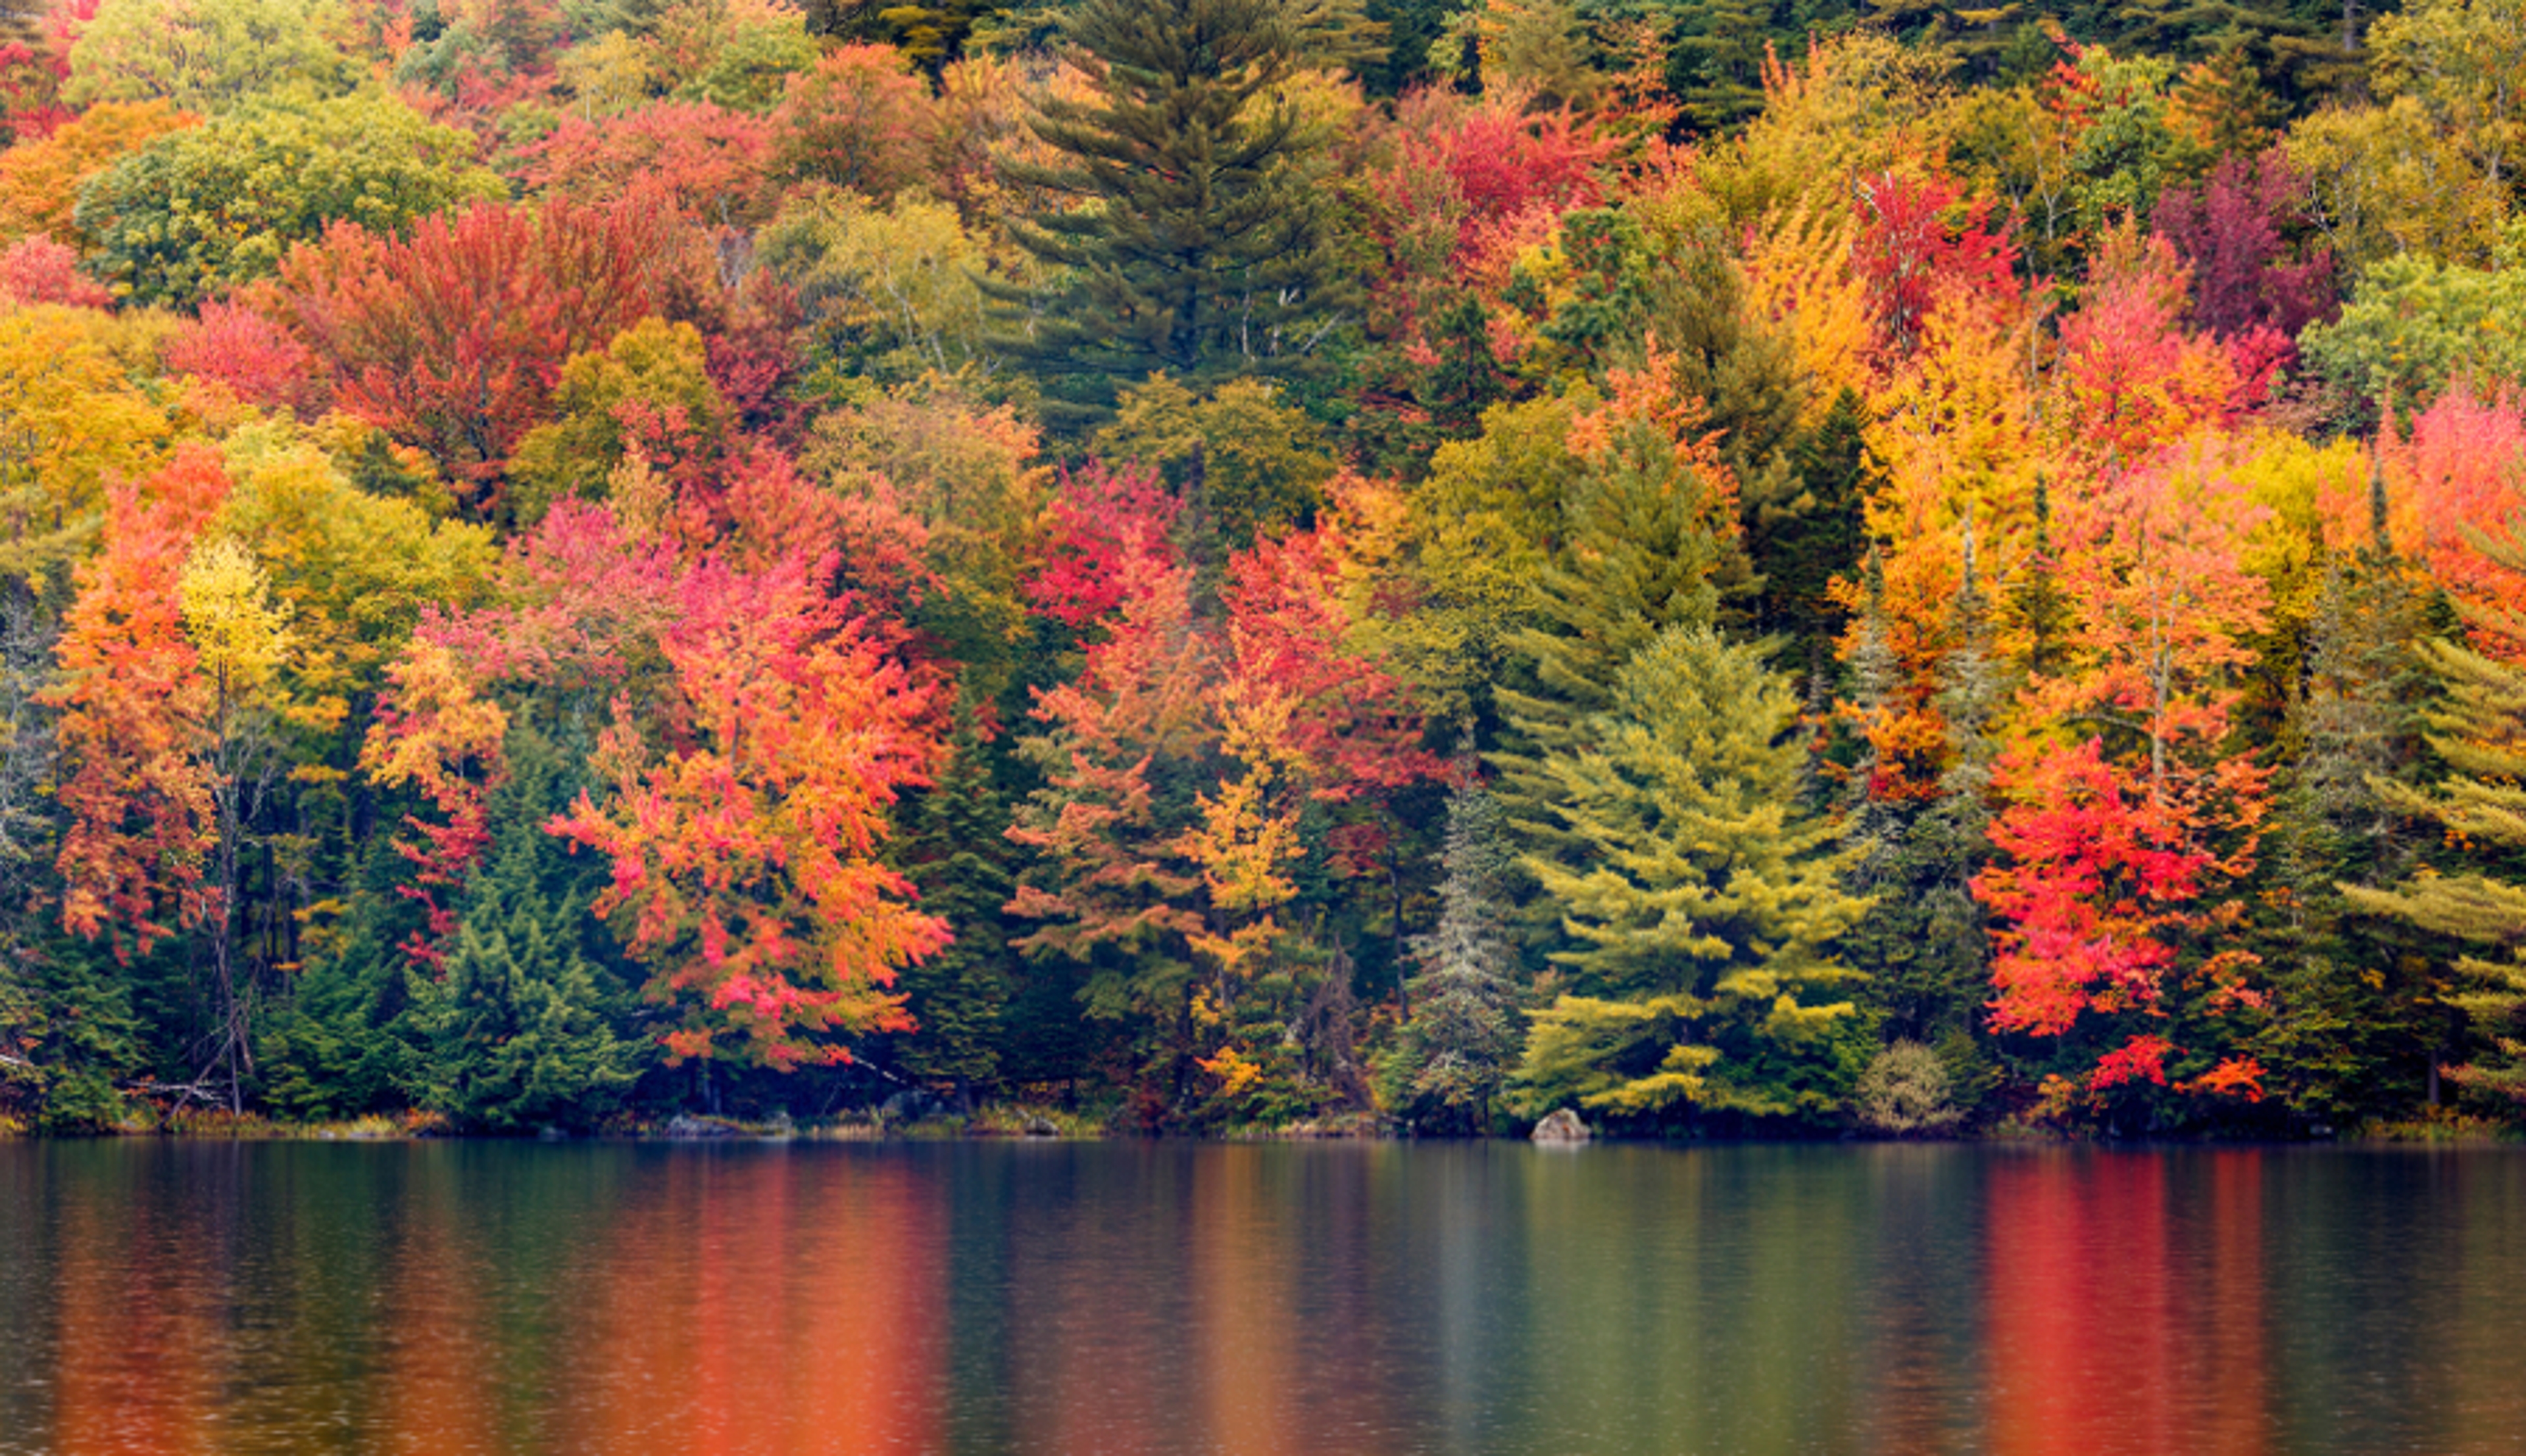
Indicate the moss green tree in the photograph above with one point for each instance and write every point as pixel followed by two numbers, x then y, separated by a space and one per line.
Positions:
pixel 1450 1058
pixel 1705 908
pixel 197 213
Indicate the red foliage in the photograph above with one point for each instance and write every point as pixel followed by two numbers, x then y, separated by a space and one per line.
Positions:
pixel 707 161
pixel 744 848
pixel 578 605
pixel 452 341
pixel 858 120
pixel 1101 518
pixel 2090 874
pixel 1921 243
pixel 1467 185
pixel 1352 725
pixel 2230 231
pixel 135 719
pixel 1112 873
pixel 38 270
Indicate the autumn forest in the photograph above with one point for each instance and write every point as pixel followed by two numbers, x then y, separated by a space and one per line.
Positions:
pixel 1741 568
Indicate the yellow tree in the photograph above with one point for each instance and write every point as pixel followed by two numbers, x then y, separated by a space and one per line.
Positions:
pixel 241 639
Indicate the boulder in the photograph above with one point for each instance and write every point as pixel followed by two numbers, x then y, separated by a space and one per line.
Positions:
pixel 1042 1127
pixel 1562 1127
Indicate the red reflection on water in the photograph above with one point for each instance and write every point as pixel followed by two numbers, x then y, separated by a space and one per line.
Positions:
pixel 137 1328
pixel 2111 1324
pixel 442 1375
pixel 721 1317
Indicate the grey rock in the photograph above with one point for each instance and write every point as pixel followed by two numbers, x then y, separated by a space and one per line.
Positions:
pixel 1562 1127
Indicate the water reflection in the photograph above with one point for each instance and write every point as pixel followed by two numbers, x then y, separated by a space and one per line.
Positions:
pixel 1272 1300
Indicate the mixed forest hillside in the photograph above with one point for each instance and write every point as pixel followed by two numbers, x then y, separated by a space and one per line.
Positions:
pixel 1735 566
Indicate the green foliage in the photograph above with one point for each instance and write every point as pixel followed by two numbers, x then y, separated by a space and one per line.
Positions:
pixel 890 290
pixel 2480 733
pixel 209 55
pixel 197 213
pixel 1190 237
pixel 954 846
pixel 649 389
pixel 1703 904
pixel 518 1030
pixel 2415 325
pixel 1640 551
pixel 1450 1058
pixel 1249 464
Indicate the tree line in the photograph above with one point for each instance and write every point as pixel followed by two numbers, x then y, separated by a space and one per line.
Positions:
pixel 1740 568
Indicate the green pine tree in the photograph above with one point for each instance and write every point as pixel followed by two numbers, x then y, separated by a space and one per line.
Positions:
pixel 1639 555
pixel 1196 241
pixel 2350 1032
pixel 1449 1062
pixel 2480 733
pixel 1704 907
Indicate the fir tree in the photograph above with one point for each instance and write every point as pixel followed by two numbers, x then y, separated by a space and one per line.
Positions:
pixel 519 1033
pixel 954 846
pixel 1196 244
pixel 1449 1060
pixel 1708 906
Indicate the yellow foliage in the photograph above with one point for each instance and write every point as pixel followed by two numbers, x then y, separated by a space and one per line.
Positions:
pixel 354 571
pixel 1799 278
pixel 237 632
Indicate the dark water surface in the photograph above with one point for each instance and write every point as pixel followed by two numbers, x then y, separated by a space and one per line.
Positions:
pixel 452 1297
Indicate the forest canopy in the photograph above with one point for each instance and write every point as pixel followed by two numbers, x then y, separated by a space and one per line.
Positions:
pixel 1223 564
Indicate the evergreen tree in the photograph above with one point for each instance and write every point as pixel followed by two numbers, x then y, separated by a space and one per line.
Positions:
pixel 1925 946
pixel 1803 529
pixel 1706 907
pixel 954 846
pixel 1639 555
pixel 334 1042
pixel 1197 242
pixel 518 1031
pixel 1449 1060
pixel 2349 1035
pixel 2480 733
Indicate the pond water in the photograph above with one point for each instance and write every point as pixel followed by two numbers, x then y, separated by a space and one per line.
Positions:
pixel 168 1297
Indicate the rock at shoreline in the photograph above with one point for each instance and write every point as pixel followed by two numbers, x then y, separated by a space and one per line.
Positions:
pixel 1562 1127
pixel 1042 1127
pixel 685 1125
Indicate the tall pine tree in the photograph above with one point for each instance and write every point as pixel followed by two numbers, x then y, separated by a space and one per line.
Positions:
pixel 1706 906
pixel 1196 242
pixel 2481 734
pixel 1449 1060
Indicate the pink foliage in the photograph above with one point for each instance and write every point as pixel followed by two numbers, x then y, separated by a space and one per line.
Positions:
pixel 38 270
pixel 263 363
pixel 2463 464
pixel 2138 380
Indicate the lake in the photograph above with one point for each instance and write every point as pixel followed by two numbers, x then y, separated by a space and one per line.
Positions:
pixel 169 1296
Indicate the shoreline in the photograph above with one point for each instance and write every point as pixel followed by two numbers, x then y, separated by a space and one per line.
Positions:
pixel 687 1129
